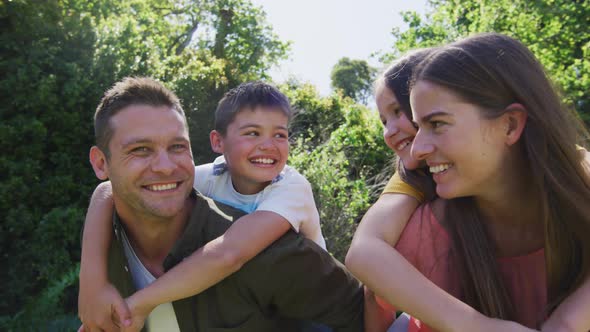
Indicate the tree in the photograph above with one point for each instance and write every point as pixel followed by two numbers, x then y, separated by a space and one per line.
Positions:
pixel 354 78
pixel 556 31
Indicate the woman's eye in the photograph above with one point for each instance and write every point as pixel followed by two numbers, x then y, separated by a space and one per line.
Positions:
pixel 436 124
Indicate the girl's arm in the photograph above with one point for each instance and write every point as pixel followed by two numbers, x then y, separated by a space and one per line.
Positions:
pixel 98 300
pixel 373 259
pixel 219 258
pixel 572 314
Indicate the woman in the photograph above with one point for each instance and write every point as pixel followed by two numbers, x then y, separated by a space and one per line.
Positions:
pixel 478 76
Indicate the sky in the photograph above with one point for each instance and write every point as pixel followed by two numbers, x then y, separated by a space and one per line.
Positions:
pixel 323 31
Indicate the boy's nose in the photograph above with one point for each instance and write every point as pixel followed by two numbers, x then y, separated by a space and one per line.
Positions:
pixel 266 144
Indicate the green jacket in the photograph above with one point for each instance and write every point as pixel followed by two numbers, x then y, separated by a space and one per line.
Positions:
pixel 291 280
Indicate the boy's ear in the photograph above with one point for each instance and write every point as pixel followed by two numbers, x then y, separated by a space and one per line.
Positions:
pixel 99 163
pixel 515 120
pixel 216 141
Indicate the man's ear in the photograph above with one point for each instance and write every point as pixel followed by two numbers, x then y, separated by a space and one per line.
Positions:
pixel 99 163
pixel 216 141
pixel 515 120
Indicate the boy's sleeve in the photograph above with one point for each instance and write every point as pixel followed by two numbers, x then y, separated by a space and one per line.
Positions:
pixel 397 186
pixel 292 199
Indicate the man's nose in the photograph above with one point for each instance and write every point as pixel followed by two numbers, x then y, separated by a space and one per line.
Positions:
pixel 163 163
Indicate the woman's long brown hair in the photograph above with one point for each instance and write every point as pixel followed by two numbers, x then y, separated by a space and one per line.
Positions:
pixel 494 71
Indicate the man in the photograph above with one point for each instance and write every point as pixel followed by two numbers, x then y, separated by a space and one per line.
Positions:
pixel 143 148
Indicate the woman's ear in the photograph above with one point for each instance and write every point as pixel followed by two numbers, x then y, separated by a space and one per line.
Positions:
pixel 99 163
pixel 216 140
pixel 515 119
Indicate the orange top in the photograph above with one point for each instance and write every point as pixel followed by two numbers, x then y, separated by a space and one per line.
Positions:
pixel 426 244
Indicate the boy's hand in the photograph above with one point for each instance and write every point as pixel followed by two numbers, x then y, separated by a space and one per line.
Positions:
pixel 101 308
pixel 139 314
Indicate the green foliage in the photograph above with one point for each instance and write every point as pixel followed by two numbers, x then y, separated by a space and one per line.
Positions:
pixel 354 78
pixel 555 30
pixel 57 59
pixel 337 146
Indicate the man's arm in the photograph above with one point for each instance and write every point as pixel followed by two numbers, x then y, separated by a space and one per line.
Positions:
pixel 98 300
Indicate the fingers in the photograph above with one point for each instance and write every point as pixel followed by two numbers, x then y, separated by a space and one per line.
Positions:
pixel 121 313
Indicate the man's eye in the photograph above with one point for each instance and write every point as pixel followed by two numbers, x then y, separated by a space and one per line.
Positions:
pixel 179 147
pixel 141 149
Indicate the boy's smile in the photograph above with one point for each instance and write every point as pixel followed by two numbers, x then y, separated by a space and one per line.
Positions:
pixel 255 147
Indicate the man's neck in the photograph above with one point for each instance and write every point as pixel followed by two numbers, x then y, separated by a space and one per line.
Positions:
pixel 153 238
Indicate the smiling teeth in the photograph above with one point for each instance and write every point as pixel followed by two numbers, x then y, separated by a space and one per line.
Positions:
pixel 439 168
pixel 403 145
pixel 263 161
pixel 162 187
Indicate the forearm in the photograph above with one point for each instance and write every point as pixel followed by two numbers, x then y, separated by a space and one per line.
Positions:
pixel 97 235
pixel 572 315
pixel 389 274
pixel 216 260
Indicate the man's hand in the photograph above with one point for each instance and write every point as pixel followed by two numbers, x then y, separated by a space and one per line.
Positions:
pixel 102 309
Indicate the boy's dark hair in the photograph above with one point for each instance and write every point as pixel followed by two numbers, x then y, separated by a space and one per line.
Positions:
pixel 127 92
pixel 249 96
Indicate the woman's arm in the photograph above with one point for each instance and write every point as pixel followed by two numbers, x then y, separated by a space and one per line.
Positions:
pixel 98 300
pixel 219 258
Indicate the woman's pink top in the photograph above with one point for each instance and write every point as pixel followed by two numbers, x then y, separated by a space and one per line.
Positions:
pixel 426 244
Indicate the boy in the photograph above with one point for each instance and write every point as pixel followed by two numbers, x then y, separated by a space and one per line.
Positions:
pixel 251 132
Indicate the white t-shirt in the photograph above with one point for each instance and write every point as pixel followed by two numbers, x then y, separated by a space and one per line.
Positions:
pixel 162 318
pixel 288 195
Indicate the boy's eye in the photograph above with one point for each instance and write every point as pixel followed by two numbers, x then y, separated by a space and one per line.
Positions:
pixel 281 135
pixel 251 133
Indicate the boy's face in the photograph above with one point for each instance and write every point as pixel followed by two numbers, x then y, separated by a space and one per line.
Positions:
pixel 256 147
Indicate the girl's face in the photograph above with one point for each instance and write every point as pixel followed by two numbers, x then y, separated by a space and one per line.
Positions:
pixel 398 130
pixel 466 153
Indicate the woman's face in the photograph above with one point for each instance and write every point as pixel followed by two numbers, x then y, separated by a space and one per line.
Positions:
pixel 398 130
pixel 465 152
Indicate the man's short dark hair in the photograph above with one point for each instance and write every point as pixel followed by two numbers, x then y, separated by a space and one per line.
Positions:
pixel 249 96
pixel 127 92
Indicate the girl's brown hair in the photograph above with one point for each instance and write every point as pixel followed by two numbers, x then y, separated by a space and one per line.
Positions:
pixel 397 78
pixel 494 71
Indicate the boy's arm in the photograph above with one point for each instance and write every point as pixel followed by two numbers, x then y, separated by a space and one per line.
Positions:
pixel 98 300
pixel 213 262
pixel 572 314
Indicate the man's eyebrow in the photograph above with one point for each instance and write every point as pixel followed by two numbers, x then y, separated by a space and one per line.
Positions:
pixel 134 141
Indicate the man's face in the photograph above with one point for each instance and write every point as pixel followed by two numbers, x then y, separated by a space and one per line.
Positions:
pixel 151 166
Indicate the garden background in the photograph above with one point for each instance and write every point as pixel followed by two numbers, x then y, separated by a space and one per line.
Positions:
pixel 57 57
